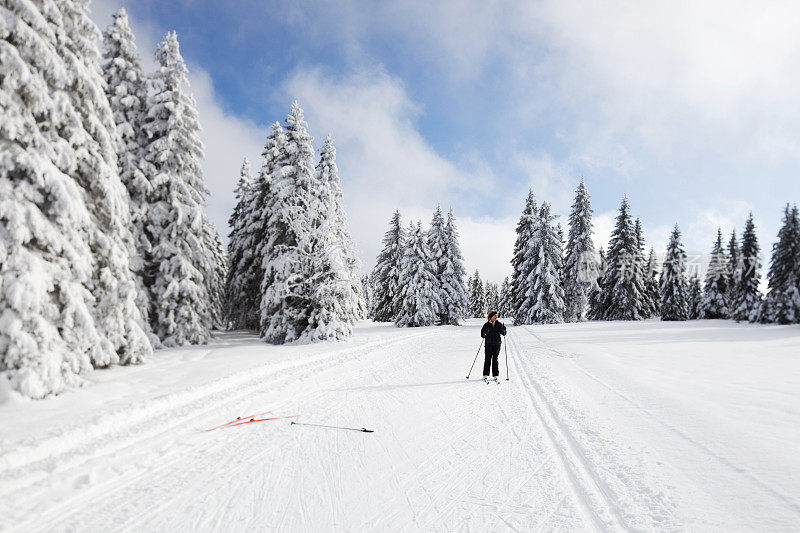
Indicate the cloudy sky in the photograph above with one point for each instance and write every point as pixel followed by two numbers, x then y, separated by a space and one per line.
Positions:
pixel 691 109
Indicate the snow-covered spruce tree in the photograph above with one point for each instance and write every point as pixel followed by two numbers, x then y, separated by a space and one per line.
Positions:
pixel 545 280
pixel 640 272
pixel 419 301
pixel 596 309
pixel 748 297
pixel 734 268
pixel 181 305
pixel 215 271
pixel 366 288
pixel 580 261
pixel 437 244
pixel 386 275
pixel 695 298
pixel 523 259
pixel 453 292
pixel 651 284
pixel 673 283
pixel 622 296
pixel 236 297
pixel 491 296
pixel 126 87
pixel 112 284
pixel 715 292
pixel 504 306
pixel 67 295
pixel 337 300
pixel 782 303
pixel 476 297
pixel 290 257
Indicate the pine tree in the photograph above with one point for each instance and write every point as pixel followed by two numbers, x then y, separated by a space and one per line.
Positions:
pixel 523 259
pixel 504 307
pixel 715 292
pixel 112 284
pixel 734 269
pixel 673 283
pixel 437 243
pixel 597 310
pixel 338 300
pixel 651 284
pixel 782 303
pixel 181 312
pixel 215 272
pixel 453 293
pixel 622 292
pixel 292 210
pixel 545 281
pixel 580 262
pixel 640 272
pixel 366 288
pixel 748 297
pixel 477 296
pixel 491 296
pixel 235 297
pixel 387 273
pixel 419 299
pixel 695 298
pixel 126 88
pixel 67 295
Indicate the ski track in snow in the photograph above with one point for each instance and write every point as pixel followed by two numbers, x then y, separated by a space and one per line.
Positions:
pixel 557 448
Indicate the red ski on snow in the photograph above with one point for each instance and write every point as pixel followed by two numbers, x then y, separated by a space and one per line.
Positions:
pixel 238 419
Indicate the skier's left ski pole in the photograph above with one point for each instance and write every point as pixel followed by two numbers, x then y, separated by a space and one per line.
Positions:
pixel 476 358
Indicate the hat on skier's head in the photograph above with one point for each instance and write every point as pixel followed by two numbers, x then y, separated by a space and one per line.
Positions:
pixel 490 315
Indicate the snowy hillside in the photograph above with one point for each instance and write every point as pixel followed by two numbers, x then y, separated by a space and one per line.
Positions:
pixel 607 426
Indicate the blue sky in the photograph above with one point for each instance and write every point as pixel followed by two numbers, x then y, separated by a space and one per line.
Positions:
pixel 690 110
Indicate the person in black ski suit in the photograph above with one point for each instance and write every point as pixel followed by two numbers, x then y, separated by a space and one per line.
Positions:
pixel 491 331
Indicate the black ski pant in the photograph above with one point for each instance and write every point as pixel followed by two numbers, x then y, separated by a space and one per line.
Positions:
pixel 492 352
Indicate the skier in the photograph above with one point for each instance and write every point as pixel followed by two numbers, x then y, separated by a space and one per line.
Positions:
pixel 491 331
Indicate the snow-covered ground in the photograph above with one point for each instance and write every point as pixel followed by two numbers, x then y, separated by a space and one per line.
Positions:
pixel 604 426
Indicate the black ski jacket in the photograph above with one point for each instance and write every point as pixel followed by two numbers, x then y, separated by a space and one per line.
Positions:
pixel 491 332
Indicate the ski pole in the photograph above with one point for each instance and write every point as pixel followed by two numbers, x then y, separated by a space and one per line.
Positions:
pixel 476 358
pixel 363 430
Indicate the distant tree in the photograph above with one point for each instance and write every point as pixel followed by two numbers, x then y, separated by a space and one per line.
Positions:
pixel 782 303
pixel 386 276
pixel 673 283
pixel 734 270
pixel 596 304
pixel 419 299
pixel 477 300
pixel 651 284
pixel 748 298
pixel 695 298
pixel 492 296
pixel 523 260
pixel 240 303
pixel 452 273
pixel 622 292
pixel 580 262
pixel 714 303
pixel 545 279
pixel 504 307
